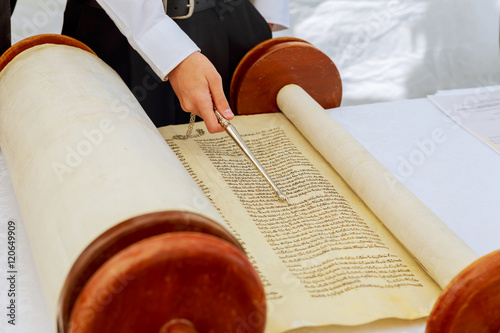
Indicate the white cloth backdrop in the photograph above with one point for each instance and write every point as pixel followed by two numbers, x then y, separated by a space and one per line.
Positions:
pixel 398 49
pixel 385 50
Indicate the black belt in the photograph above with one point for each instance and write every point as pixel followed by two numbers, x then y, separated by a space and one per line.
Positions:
pixel 177 9
pixel 183 9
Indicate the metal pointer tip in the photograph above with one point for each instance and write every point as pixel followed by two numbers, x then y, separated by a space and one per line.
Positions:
pixel 283 198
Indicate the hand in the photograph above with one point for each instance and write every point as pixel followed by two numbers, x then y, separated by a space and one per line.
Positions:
pixel 199 87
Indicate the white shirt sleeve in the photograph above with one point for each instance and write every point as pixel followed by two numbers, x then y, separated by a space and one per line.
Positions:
pixel 276 12
pixel 157 38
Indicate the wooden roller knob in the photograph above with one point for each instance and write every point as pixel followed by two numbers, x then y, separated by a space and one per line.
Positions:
pixel 29 42
pixel 180 277
pixel 271 65
pixel 157 273
pixel 471 302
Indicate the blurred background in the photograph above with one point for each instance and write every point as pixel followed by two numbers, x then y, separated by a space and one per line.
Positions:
pixel 384 49
pixel 399 49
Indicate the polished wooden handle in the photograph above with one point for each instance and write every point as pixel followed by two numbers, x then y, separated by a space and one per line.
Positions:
pixel 180 276
pixel 36 40
pixel 471 302
pixel 271 65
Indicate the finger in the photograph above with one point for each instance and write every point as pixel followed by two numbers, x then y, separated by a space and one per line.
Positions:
pixel 211 121
pixel 219 99
pixel 206 112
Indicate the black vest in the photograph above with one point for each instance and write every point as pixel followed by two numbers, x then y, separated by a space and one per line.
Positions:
pixel 224 34
pixel 6 9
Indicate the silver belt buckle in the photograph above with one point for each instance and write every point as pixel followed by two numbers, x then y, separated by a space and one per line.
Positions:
pixel 189 6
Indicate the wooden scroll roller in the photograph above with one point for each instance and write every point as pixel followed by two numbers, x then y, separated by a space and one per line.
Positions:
pixel 277 62
pixel 471 301
pixel 119 244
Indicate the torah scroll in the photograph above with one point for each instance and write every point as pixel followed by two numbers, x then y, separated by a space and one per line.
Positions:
pixel 84 157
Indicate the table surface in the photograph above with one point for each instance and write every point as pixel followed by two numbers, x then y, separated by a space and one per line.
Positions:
pixel 451 171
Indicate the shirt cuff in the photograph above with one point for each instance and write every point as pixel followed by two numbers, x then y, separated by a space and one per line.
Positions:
pixel 276 12
pixel 154 35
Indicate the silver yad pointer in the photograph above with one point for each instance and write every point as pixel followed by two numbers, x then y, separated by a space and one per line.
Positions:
pixel 233 133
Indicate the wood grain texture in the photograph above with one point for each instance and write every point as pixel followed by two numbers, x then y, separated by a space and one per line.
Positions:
pixel 184 275
pixel 120 237
pixel 280 61
pixel 471 302
pixel 32 41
